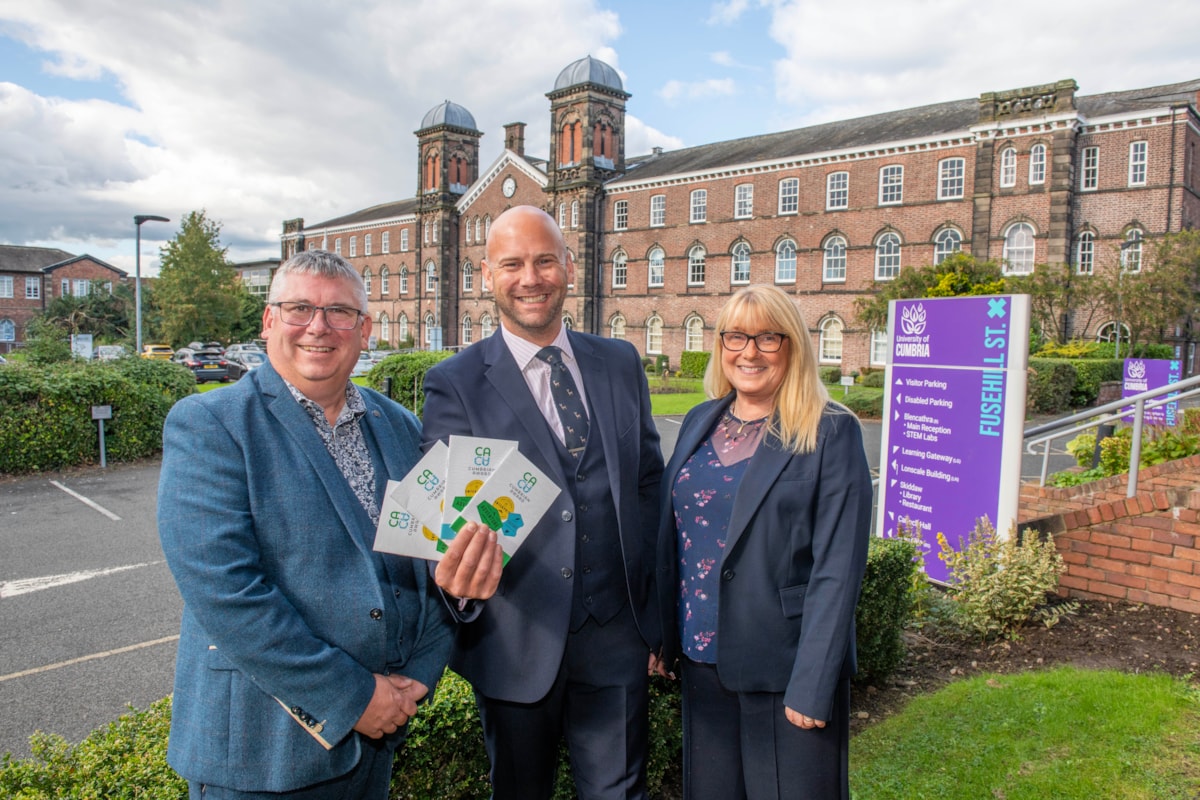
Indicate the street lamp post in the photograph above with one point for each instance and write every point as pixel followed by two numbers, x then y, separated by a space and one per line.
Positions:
pixel 138 219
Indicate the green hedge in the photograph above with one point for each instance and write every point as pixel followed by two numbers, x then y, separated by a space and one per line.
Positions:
pixel 885 607
pixel 693 363
pixel 46 411
pixel 831 375
pixel 407 371
pixel 1057 385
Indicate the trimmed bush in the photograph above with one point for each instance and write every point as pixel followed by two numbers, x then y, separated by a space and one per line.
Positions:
pixel 46 418
pixel 885 607
pixel 693 363
pixel 873 380
pixel 407 371
pixel 866 406
pixel 1051 385
pixel 125 760
pixel 832 375
pixel 1089 374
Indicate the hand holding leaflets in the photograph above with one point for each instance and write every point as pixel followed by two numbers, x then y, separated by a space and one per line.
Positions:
pixel 473 480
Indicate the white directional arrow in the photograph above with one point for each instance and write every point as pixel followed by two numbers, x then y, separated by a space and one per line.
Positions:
pixel 896 464
pixel 896 417
pixel 893 483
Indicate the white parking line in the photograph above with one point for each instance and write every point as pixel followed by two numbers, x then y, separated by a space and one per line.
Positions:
pixel 87 502
pixel 92 657
pixel 27 585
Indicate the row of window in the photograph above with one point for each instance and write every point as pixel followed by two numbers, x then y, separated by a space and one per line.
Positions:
pixel 33 287
pixel 951 186
pixel 69 287
pixel 1019 250
pixel 385 243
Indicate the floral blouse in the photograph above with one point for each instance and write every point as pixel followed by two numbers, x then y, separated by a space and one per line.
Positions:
pixel 702 498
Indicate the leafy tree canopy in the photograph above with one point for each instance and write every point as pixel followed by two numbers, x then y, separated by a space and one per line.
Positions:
pixel 959 275
pixel 197 294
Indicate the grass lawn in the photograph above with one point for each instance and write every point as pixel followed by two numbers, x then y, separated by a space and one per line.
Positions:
pixel 1063 734
pixel 678 403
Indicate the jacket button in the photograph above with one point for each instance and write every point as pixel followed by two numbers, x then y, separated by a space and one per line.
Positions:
pixel 727 575
pixel 566 572
pixel 567 516
pixel 376 613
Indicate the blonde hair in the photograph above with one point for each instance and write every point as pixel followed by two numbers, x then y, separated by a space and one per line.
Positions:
pixel 802 398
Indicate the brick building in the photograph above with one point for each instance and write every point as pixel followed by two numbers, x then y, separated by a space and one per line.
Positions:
pixel 30 277
pixel 1039 175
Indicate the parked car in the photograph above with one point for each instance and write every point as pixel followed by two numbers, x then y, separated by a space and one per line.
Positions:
pixel 110 352
pixel 207 364
pixel 158 352
pixel 363 365
pixel 242 347
pixel 244 361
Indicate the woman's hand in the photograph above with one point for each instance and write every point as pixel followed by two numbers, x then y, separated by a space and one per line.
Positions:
pixel 801 721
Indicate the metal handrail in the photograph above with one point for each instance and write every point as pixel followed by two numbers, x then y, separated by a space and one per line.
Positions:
pixel 1117 409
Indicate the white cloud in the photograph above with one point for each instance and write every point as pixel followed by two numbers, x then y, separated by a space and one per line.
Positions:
pixel 906 55
pixel 673 91
pixel 259 112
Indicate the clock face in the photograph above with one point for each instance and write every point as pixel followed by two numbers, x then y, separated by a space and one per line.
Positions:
pixel 509 186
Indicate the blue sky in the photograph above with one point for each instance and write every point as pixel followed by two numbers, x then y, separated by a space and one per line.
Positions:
pixel 262 111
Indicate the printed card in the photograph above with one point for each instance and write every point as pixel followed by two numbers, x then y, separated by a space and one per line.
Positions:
pixel 471 461
pixel 510 502
pixel 411 512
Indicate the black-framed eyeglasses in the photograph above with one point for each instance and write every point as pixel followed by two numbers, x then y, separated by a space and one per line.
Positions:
pixel 766 342
pixel 342 318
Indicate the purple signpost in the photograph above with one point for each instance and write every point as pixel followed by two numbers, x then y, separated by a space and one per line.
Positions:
pixel 953 418
pixel 1144 374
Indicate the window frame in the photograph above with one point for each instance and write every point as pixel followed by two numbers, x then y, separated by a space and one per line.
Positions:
pixel 940 252
pixel 654 335
pixel 952 178
pixel 697 265
pixel 739 264
pixel 1008 167
pixel 1089 169
pixel 468 277
pixel 698 206
pixel 1085 253
pixel 621 215
pixel 827 341
pixel 781 260
pixel 833 263
pixel 887 239
pixel 1139 162
pixel 1008 267
pixel 656 268
pixel 658 210
pixel 891 185
pixel 837 187
pixel 743 201
pixel 1037 164
pixel 620 270
pixel 789 195
pixel 691 334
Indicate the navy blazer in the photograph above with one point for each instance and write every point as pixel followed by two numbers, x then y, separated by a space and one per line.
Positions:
pixel 272 552
pixel 513 649
pixel 793 562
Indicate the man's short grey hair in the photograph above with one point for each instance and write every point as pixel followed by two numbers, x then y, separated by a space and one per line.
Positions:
pixel 321 263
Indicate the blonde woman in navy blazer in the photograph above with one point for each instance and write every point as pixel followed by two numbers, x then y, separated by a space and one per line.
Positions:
pixel 766 509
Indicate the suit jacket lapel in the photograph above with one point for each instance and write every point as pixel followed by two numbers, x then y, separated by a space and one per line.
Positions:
pixel 760 475
pixel 297 425
pixel 501 371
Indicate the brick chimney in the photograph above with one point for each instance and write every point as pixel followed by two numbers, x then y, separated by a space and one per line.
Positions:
pixel 514 138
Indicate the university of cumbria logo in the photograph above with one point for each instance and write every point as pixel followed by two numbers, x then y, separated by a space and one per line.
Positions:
pixel 1137 370
pixel 912 320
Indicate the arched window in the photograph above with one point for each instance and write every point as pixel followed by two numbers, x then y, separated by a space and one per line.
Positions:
pixel 562 216
pixel 385 328
pixel 466 329
pixel 616 328
pixel 429 326
pixel 1008 167
pixel 402 328
pixel 887 257
pixel 620 271
pixel 404 280
pixel 833 261
pixel 367 280
pixel 1131 251
pixel 485 326
pixel 385 281
pixel 1108 333
pixel 430 277
pixel 8 330
pixel 487 226
pixel 478 230
pixel 945 244
pixel 468 277
pixel 1019 249
pixel 785 262
pixel 1037 164
pixel 654 328
pixel 1085 253
pixel 693 337
pixel 831 340
pixel 656 268
pixel 739 267
pixel 696 258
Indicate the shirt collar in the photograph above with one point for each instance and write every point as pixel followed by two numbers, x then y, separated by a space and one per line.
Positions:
pixel 354 408
pixel 525 352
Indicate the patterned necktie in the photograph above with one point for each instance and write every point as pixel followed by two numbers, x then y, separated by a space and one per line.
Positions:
pixel 567 400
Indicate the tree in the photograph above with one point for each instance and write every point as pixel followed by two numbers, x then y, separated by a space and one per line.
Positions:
pixel 250 316
pixel 1161 292
pixel 46 343
pixel 104 314
pixel 959 275
pixel 197 291
pixel 1060 300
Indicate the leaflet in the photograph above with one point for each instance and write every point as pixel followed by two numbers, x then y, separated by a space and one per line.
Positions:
pixel 471 461
pixel 411 512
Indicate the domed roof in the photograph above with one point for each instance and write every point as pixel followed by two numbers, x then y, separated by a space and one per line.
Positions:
pixel 448 113
pixel 589 70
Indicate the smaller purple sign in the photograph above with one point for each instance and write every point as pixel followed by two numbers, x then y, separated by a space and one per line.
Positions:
pixel 1144 374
